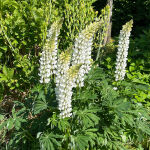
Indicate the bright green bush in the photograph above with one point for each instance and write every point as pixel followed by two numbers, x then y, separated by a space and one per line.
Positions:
pixel 22 27
pixel 139 63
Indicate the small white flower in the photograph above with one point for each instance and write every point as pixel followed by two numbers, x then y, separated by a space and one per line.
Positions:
pixel 115 88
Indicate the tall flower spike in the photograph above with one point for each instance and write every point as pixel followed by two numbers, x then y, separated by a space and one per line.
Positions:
pixel 63 91
pixel 48 59
pixel 122 53
pixel 82 51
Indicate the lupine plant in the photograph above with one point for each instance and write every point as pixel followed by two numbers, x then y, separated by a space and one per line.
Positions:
pixel 82 51
pixel 48 60
pixel 65 81
pixel 121 61
pixel 67 70
pixel 63 90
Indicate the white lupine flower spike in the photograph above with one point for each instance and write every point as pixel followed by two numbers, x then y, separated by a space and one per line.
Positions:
pixel 63 90
pixel 82 51
pixel 48 60
pixel 122 53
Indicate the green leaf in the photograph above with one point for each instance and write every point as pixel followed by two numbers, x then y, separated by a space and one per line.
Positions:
pixel 48 141
pixel 40 105
pixel 11 73
pixel 17 124
pixel 1 117
pixel 131 68
pixel 87 117
pixel 5 71
pixel 11 3
pixel 3 48
pixel 3 77
pixel 81 142
pixel 10 124
pixel 129 76
pixel 87 95
pixel 2 125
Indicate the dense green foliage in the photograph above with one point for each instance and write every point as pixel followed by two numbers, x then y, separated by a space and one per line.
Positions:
pixel 103 118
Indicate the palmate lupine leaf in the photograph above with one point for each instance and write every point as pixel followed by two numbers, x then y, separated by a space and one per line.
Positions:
pixel 21 136
pixel 55 121
pixel 84 139
pixel 86 96
pixel 95 73
pixel 49 141
pixel 80 142
pixel 40 105
pixel 87 117
pixel 91 133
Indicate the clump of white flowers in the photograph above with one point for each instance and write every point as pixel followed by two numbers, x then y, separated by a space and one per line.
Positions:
pixel 122 53
pixel 48 60
pixel 70 67
pixel 65 81
pixel 82 51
